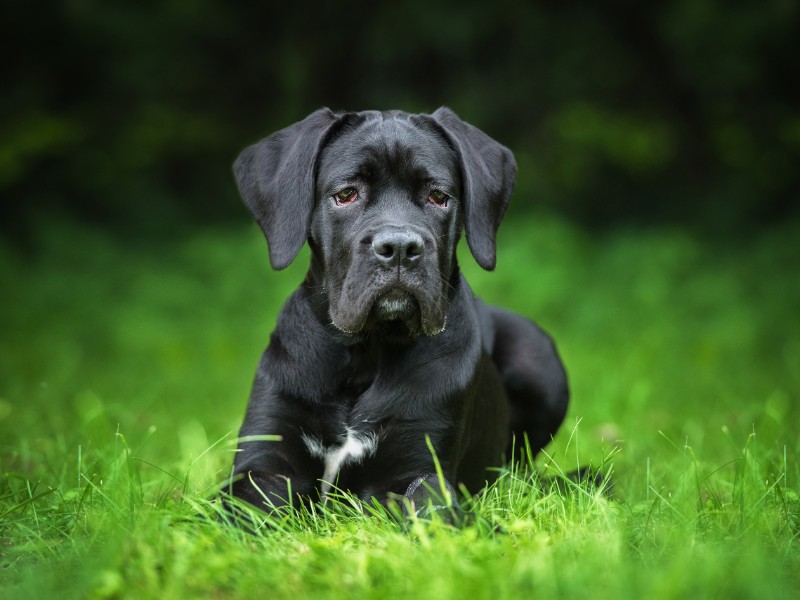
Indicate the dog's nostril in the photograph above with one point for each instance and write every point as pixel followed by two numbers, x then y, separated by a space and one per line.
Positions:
pixel 414 249
pixel 385 250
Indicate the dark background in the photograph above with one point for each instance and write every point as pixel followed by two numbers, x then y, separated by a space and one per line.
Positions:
pixel 129 114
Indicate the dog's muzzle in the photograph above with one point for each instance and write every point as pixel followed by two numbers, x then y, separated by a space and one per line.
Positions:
pixel 393 286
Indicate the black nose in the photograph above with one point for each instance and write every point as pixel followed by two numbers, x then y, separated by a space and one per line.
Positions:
pixel 394 247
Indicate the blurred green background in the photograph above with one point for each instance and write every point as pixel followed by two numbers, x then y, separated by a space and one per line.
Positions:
pixel 653 229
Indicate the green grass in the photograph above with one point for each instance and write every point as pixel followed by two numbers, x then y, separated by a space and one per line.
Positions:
pixel 125 369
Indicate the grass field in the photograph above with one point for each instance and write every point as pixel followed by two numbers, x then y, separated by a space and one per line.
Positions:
pixel 125 368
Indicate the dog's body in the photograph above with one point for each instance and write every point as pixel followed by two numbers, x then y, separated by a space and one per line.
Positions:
pixel 383 353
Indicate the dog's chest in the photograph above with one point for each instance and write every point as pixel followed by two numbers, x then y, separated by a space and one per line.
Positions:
pixel 352 449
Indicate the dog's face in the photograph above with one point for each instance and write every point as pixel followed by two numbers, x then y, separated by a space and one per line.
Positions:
pixel 386 223
pixel 381 198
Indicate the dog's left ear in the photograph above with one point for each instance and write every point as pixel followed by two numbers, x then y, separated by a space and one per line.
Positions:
pixel 276 181
pixel 488 173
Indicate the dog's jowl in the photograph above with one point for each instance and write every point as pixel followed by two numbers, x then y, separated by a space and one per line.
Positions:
pixel 383 360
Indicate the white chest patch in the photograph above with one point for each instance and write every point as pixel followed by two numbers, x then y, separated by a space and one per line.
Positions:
pixel 355 447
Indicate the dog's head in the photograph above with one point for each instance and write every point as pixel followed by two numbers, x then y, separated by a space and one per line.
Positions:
pixel 381 198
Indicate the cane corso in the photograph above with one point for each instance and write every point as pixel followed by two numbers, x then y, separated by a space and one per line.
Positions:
pixel 383 362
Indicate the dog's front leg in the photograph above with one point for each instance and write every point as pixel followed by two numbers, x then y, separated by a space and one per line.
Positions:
pixel 271 475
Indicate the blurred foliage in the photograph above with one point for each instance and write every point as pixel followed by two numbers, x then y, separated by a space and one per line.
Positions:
pixel 132 112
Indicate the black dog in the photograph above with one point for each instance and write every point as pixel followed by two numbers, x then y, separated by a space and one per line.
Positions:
pixel 383 352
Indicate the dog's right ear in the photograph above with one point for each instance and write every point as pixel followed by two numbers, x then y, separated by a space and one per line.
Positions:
pixel 276 181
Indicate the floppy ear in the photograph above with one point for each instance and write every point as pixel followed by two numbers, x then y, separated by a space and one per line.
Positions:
pixel 276 181
pixel 488 172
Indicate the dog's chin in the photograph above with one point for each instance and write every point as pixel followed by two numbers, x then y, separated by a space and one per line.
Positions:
pixel 395 316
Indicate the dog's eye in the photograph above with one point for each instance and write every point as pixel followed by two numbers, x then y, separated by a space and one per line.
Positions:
pixel 346 196
pixel 439 198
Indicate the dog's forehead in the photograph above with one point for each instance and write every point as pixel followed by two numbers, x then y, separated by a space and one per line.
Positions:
pixel 395 143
